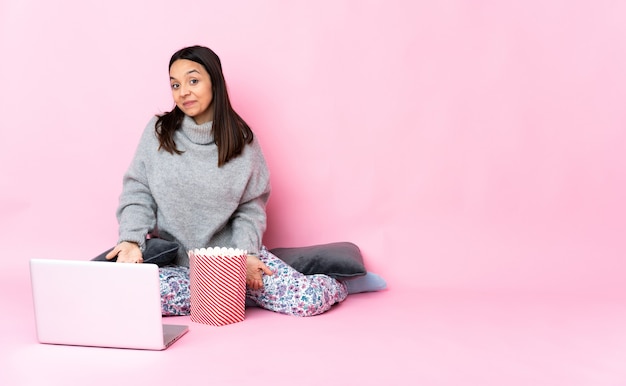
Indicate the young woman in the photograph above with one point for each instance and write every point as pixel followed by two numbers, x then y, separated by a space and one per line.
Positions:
pixel 199 178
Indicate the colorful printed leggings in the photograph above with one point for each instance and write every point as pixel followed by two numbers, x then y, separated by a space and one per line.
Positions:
pixel 287 291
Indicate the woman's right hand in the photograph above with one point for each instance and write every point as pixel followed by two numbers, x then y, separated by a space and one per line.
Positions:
pixel 255 269
pixel 126 252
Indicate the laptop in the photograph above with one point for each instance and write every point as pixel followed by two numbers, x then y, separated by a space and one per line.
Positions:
pixel 101 304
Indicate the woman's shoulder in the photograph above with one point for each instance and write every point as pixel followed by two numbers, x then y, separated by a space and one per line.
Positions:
pixel 256 156
pixel 150 128
pixel 250 158
pixel 148 139
pixel 151 123
pixel 253 149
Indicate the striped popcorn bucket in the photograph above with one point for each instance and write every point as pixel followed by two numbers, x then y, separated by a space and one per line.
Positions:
pixel 218 285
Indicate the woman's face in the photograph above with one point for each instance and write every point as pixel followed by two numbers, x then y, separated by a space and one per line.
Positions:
pixel 192 90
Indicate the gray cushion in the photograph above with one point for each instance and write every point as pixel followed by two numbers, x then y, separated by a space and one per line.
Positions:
pixel 338 260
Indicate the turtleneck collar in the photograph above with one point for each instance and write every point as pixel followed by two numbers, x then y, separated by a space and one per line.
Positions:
pixel 198 134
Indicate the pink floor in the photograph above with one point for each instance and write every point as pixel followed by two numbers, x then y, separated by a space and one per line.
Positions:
pixel 396 337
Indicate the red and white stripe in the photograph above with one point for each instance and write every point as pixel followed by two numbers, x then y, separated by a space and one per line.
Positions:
pixel 218 286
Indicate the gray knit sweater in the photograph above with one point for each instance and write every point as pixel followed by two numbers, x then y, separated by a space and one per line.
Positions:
pixel 186 198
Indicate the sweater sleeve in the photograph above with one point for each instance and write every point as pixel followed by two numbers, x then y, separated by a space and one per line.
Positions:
pixel 136 213
pixel 249 221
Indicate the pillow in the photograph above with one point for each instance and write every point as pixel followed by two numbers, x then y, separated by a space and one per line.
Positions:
pixel 338 260
pixel 370 282
pixel 158 251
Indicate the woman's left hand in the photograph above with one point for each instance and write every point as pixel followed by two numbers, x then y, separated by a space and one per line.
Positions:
pixel 255 269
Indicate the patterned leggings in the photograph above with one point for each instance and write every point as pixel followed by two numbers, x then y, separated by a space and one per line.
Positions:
pixel 287 291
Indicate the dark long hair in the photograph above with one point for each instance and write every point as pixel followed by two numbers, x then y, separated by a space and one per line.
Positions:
pixel 230 132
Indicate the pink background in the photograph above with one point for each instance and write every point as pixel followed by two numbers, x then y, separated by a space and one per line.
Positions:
pixel 473 145
pixel 474 150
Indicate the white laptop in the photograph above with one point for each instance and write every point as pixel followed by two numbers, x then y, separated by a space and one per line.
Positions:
pixel 103 304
